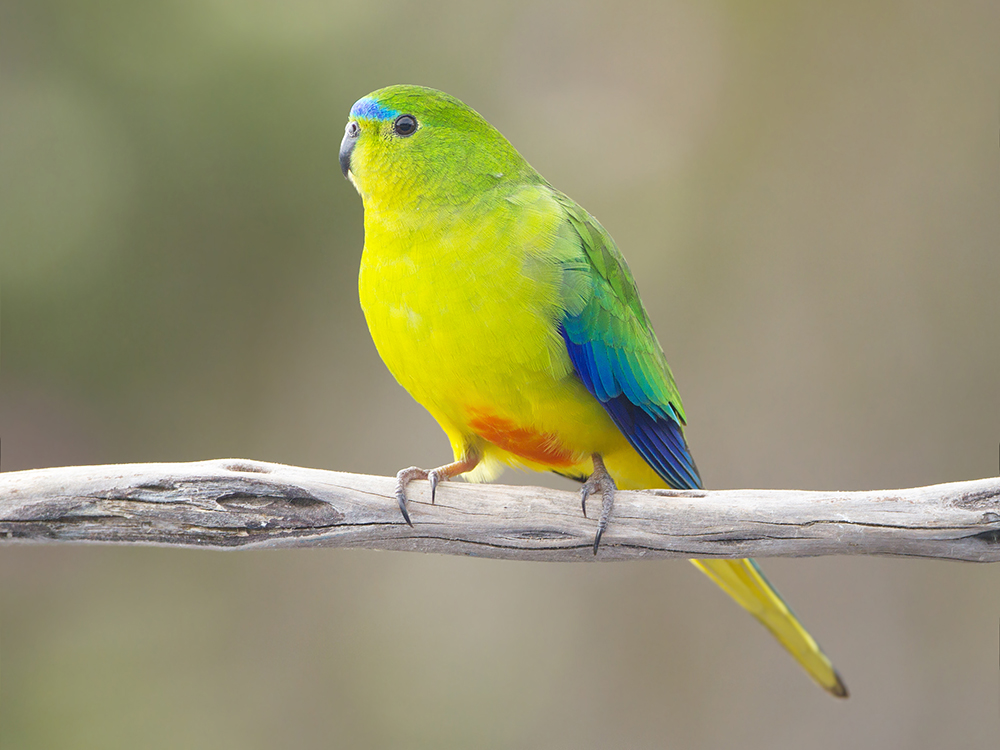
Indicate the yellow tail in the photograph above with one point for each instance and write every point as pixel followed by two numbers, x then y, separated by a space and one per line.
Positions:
pixel 743 581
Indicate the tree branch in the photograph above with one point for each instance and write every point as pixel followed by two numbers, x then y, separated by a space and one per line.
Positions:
pixel 249 504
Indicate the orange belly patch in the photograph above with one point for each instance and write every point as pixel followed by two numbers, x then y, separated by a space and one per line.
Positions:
pixel 542 448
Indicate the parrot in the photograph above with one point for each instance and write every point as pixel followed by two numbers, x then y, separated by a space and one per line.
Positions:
pixel 508 312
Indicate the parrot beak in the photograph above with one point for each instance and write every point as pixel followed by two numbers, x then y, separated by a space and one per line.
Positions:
pixel 351 133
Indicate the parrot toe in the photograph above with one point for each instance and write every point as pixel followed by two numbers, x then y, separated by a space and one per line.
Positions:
pixel 435 477
pixel 600 481
pixel 403 478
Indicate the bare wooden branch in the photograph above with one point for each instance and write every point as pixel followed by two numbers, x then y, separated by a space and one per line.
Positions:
pixel 233 503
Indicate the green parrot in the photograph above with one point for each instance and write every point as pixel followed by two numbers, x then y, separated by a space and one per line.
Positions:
pixel 508 312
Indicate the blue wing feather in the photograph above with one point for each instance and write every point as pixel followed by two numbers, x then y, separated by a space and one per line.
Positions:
pixel 657 437
pixel 612 347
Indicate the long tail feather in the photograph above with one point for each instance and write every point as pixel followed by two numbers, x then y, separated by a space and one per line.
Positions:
pixel 743 581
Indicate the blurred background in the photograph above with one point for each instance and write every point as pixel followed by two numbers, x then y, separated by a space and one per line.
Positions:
pixel 809 196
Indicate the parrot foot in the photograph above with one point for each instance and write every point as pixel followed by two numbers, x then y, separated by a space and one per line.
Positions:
pixel 600 481
pixel 434 476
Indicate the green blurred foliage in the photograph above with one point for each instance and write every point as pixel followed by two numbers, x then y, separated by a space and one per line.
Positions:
pixel 809 195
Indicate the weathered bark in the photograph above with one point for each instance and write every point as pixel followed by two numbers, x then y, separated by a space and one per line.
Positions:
pixel 234 503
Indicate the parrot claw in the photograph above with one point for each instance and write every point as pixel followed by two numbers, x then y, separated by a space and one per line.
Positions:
pixel 434 477
pixel 601 481
pixel 403 478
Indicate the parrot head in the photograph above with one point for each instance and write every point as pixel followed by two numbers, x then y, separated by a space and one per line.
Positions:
pixel 407 145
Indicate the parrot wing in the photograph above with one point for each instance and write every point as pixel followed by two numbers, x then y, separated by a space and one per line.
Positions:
pixel 614 351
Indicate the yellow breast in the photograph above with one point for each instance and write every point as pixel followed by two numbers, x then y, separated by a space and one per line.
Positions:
pixel 465 315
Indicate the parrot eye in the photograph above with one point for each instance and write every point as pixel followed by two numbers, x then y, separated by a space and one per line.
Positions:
pixel 405 125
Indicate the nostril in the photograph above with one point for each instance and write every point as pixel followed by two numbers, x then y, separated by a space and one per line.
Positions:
pixel 352 130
